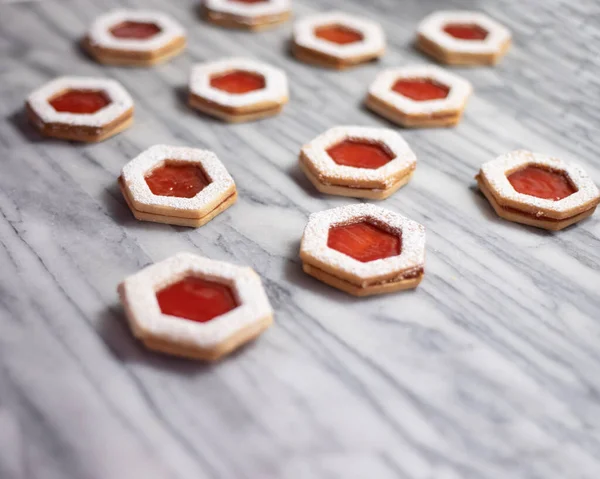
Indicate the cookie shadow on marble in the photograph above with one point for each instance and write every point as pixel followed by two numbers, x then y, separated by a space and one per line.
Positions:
pixel 303 182
pixel 116 334
pixel 29 132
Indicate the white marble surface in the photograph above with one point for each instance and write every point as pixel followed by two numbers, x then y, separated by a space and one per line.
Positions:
pixel 488 370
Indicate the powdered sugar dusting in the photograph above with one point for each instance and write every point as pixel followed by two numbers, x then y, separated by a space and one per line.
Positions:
pixel 138 292
pixel 134 173
pixel 460 89
pixel 316 153
pixel 100 35
pixel 275 90
pixel 249 10
pixel 496 171
pixel 120 101
pixel 432 28
pixel 314 242
pixel 373 41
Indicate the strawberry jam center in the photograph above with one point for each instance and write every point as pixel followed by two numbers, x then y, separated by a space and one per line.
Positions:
pixel 542 183
pixel 338 34
pixel 421 89
pixel 359 154
pixel 364 241
pixel 466 32
pixel 196 299
pixel 135 30
pixel 238 82
pixel 183 181
pixel 80 101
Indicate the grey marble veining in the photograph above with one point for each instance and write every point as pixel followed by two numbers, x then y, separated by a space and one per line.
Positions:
pixel 488 370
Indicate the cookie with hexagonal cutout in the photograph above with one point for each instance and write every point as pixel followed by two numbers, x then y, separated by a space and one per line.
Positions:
pixel 195 307
pixel 419 96
pixel 177 185
pixel 337 40
pixel 80 109
pixel 238 89
pixel 538 190
pixel 358 162
pixel 364 250
pixel 463 38
pixel 134 38
pixel 247 14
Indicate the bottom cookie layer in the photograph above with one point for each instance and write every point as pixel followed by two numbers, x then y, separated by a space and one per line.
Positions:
pixel 512 214
pixel 232 117
pixel 369 193
pixel 132 58
pixel 84 134
pixel 255 24
pixel 177 220
pixel 320 59
pixel 445 119
pixel 232 343
pixel 462 59
pixel 343 285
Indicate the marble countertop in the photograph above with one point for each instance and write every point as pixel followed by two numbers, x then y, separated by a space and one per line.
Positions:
pixel 488 370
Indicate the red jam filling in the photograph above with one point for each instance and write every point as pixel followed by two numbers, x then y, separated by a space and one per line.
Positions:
pixel 466 32
pixel 421 89
pixel 183 181
pixel 238 82
pixel 80 101
pixel 364 241
pixel 542 183
pixel 196 299
pixel 360 154
pixel 338 34
pixel 135 30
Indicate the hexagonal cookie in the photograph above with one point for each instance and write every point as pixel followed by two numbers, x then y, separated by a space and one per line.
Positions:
pixel 364 250
pixel 247 14
pixel 358 162
pixel 238 89
pixel 337 40
pixel 419 96
pixel 177 185
pixel 463 38
pixel 195 307
pixel 134 38
pixel 80 109
pixel 538 190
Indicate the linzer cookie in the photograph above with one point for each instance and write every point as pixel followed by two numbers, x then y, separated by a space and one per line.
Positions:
pixel 247 14
pixel 358 162
pixel 419 96
pixel 80 109
pixel 337 40
pixel 238 89
pixel 134 38
pixel 195 307
pixel 177 185
pixel 463 38
pixel 538 190
pixel 364 250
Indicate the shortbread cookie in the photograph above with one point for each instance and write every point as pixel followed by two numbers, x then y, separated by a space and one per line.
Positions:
pixel 364 250
pixel 80 109
pixel 358 162
pixel 238 89
pixel 247 14
pixel 538 190
pixel 419 96
pixel 463 38
pixel 134 38
pixel 195 307
pixel 177 185
pixel 337 40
